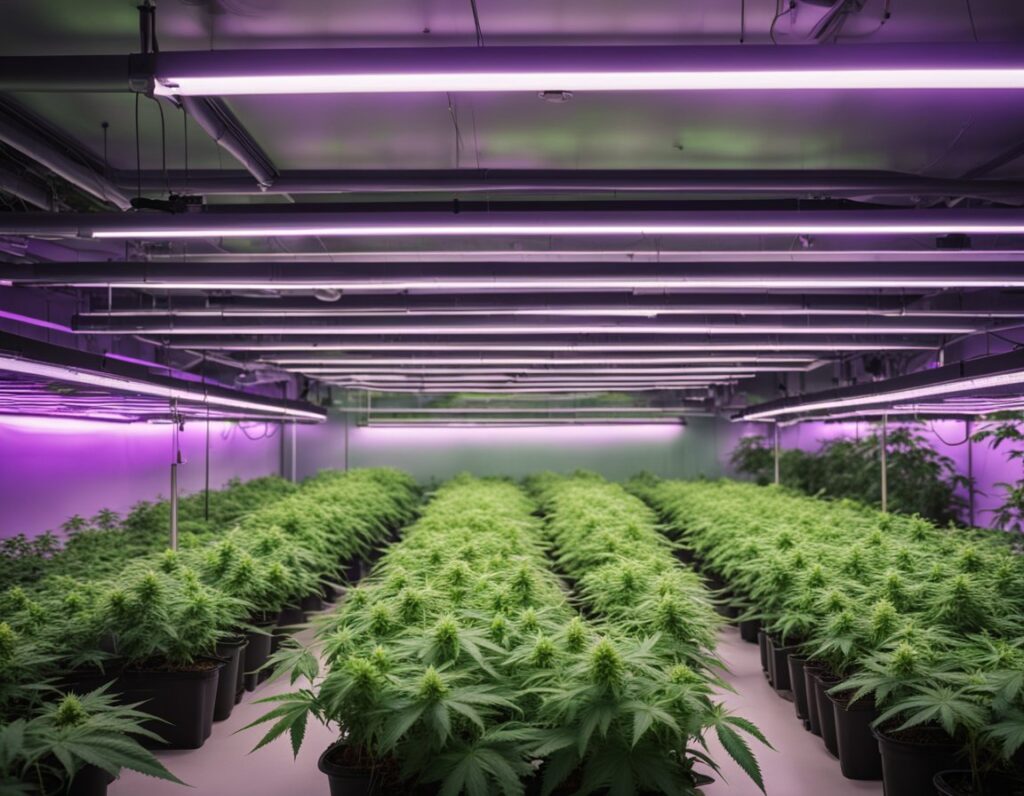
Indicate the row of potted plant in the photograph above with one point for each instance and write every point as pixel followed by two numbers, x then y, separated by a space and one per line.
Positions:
pixel 435 666
pixel 608 543
pixel 461 666
pixel 101 545
pixel 176 630
pixel 902 643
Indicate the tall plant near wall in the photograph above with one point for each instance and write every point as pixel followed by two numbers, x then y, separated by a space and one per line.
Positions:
pixel 1006 434
pixel 921 480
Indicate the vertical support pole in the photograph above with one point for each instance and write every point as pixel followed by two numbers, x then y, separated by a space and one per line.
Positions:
pixel 348 419
pixel 174 505
pixel 776 430
pixel 885 463
pixel 969 432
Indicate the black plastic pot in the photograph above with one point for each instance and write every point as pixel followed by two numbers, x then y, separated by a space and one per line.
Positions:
pixel 288 620
pixel 330 591
pixel 89 780
pixel 184 700
pixel 344 781
pixel 813 717
pixel 685 555
pixel 826 715
pixel 748 630
pixel 780 665
pixel 796 680
pixel 231 651
pixel 909 766
pixel 859 757
pixel 961 783
pixel 762 643
pixel 312 603
pixel 256 653
pixel 88 678
pixel 352 571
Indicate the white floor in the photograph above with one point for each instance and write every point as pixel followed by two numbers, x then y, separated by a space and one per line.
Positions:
pixel 800 766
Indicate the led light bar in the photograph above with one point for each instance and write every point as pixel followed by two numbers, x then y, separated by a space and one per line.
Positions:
pixel 597 223
pixel 219 345
pixel 623 370
pixel 985 373
pixel 493 423
pixel 532 364
pixel 485 422
pixel 604 255
pixel 488 389
pixel 577 69
pixel 59 373
pixel 535 410
pixel 535 328
pixel 34 358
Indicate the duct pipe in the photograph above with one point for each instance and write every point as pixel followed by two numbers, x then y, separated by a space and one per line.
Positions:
pixel 224 128
pixel 25 141
pixel 803 277
pixel 26 189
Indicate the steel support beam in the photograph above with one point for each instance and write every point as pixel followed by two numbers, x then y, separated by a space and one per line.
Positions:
pixel 804 278
pixel 807 183
pixel 498 323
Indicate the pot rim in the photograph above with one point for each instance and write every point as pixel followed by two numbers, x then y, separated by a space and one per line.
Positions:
pixel 883 737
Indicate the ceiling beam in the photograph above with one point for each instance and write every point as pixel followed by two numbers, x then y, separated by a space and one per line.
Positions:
pixel 501 324
pixel 768 182
pixel 803 277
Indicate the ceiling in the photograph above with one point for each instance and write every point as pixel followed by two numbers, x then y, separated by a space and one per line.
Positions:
pixel 632 152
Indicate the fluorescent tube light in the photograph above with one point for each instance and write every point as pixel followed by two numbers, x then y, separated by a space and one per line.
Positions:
pixel 910 394
pixel 360 364
pixel 587 68
pixel 528 328
pixel 808 225
pixel 111 382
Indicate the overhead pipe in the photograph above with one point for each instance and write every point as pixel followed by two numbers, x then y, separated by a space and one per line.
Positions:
pixel 498 323
pixel 216 118
pixel 401 304
pixel 771 182
pixel 803 277
pixel 29 142
pixel 29 191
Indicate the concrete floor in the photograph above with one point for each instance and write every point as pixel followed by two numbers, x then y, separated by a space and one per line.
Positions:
pixel 800 766
pixel 223 767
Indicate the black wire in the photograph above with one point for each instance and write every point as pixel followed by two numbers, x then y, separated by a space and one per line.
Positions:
pixel 458 133
pixel 476 24
pixel 163 145
pixel 743 20
pixel 184 119
pixel 938 436
pixel 970 16
pixel 138 151
pixel 778 15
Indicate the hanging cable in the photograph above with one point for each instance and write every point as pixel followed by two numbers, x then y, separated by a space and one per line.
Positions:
pixel 779 14
pixel 476 24
pixel 743 20
pixel 970 16
pixel 938 436
pixel 163 145
pixel 138 152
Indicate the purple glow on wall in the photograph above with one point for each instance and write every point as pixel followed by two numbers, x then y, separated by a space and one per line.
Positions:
pixel 52 468
pixel 947 437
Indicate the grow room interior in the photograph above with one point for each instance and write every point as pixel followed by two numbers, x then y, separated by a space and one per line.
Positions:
pixel 547 397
